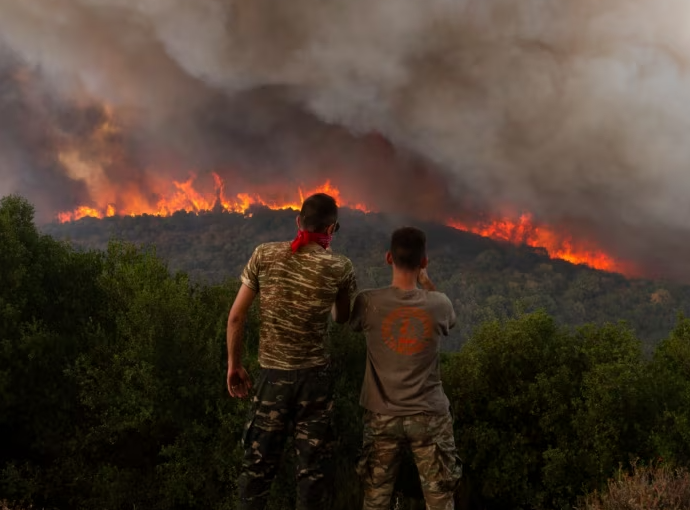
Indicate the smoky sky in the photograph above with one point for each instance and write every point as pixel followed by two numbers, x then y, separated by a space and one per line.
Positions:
pixel 577 111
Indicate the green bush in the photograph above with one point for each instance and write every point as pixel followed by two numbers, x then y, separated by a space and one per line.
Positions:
pixel 112 386
pixel 671 376
pixel 542 413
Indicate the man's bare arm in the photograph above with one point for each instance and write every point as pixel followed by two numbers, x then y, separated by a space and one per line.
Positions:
pixel 238 379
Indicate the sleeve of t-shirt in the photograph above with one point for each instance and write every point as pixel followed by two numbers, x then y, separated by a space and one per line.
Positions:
pixel 349 283
pixel 250 274
pixel 358 310
pixel 452 319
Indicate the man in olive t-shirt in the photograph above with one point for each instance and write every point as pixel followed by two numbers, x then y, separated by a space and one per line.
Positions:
pixel 402 392
pixel 300 284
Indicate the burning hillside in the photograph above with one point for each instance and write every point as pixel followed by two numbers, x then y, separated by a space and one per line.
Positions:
pixel 559 127
pixel 184 196
pixel 93 158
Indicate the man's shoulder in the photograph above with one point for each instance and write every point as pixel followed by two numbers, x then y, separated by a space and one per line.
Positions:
pixel 274 245
pixel 436 296
pixel 338 261
pixel 374 293
pixel 432 296
pixel 338 256
pixel 272 248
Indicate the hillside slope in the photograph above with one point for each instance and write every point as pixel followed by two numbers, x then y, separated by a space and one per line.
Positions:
pixel 485 279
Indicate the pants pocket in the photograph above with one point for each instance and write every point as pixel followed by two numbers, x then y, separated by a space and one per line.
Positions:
pixel 450 465
pixel 259 393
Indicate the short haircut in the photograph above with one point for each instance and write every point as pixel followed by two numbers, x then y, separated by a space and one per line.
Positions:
pixel 319 211
pixel 408 248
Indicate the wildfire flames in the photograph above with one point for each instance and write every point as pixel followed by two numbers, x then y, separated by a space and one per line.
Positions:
pixel 525 231
pixel 184 197
pixel 196 196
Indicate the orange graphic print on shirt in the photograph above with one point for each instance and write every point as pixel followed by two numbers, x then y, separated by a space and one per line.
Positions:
pixel 406 330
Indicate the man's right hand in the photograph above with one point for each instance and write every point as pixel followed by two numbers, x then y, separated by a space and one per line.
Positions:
pixel 424 280
pixel 239 382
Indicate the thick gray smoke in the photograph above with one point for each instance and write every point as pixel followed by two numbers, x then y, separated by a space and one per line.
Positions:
pixel 575 110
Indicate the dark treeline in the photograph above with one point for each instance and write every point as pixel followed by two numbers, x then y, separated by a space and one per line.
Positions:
pixel 486 279
pixel 112 385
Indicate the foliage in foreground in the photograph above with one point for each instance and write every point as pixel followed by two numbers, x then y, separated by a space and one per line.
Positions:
pixel 112 392
pixel 643 488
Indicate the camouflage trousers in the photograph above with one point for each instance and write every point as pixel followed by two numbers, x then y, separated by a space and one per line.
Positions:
pixel 297 402
pixel 430 439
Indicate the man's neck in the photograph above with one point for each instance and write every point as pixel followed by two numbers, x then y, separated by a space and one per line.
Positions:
pixel 404 280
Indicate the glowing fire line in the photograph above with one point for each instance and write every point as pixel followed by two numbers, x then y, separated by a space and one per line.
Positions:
pixel 525 231
pixel 186 198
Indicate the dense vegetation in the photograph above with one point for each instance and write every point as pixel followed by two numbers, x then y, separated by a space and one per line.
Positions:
pixel 112 391
pixel 486 279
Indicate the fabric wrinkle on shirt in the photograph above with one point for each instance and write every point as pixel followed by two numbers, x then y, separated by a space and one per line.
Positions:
pixel 296 294
pixel 404 330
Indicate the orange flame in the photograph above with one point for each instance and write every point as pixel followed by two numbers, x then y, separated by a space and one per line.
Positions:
pixel 559 246
pixel 184 197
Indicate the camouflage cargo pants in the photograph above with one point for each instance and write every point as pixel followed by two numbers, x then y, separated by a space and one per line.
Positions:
pixel 297 401
pixel 429 437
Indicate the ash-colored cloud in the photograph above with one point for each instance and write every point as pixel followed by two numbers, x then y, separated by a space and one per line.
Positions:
pixel 576 111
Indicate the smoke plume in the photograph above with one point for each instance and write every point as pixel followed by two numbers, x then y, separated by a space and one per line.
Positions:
pixel 575 111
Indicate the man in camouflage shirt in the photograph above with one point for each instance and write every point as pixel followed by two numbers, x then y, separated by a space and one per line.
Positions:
pixel 299 284
pixel 402 392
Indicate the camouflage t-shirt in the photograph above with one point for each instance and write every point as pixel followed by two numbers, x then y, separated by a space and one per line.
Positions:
pixel 297 291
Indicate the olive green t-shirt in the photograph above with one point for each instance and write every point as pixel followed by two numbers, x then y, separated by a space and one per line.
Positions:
pixel 297 291
pixel 403 330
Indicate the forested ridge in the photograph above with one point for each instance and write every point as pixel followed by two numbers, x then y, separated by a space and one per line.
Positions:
pixel 112 368
pixel 485 279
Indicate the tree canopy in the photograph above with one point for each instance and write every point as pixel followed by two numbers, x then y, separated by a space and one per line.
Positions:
pixel 485 279
pixel 112 373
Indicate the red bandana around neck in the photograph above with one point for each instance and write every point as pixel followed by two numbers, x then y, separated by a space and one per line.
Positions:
pixel 304 238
